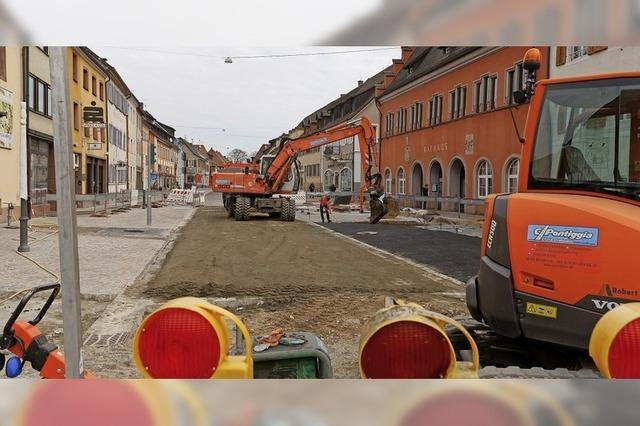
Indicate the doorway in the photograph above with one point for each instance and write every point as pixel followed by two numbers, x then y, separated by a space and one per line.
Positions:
pixel 435 182
pixel 417 183
pixel 457 181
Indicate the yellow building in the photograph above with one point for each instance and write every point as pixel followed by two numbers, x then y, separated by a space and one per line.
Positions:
pixel 10 130
pixel 87 76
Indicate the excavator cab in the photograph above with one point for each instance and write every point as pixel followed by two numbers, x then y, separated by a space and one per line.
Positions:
pixel 560 253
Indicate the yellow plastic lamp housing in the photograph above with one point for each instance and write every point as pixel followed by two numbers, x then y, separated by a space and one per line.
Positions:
pixel 615 342
pixel 406 341
pixel 188 338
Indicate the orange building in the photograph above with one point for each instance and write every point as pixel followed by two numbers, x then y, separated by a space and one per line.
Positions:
pixel 447 126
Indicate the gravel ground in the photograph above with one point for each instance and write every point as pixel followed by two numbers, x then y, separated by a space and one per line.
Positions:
pixel 302 277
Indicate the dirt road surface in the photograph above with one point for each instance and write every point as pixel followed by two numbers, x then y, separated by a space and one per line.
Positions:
pixel 303 277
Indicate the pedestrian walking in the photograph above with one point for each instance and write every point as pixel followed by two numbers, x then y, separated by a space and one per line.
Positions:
pixel 312 187
pixel 425 193
pixel 325 207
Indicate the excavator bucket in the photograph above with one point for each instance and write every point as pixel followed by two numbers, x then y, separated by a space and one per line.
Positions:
pixel 387 206
pixel 378 210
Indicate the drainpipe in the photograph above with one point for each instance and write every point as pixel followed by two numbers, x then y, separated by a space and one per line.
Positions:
pixel 24 156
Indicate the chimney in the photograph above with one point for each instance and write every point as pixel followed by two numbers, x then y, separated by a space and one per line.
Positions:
pixel 397 66
pixel 387 79
pixel 407 51
pixel 360 83
pixel 379 90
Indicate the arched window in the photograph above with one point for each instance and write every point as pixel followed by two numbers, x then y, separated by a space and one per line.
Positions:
pixel 401 182
pixel 387 181
pixel 328 179
pixel 485 179
pixel 513 167
pixel 345 180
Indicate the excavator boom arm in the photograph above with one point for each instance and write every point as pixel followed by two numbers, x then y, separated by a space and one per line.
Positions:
pixel 280 166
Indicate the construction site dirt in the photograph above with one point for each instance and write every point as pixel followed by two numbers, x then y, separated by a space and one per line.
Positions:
pixel 291 275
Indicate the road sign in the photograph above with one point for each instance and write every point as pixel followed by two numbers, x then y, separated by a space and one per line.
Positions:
pixel 93 116
pixel 94 125
pixel 94 146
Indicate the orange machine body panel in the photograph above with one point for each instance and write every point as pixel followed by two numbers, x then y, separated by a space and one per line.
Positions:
pixel 567 272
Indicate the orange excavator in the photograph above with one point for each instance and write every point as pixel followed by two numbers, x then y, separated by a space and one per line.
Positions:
pixel 264 184
pixel 559 254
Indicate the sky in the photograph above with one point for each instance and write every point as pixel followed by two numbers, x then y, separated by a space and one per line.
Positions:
pixel 253 100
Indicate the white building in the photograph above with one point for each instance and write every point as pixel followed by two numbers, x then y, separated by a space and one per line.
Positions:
pixel 567 61
pixel 135 155
pixel 117 111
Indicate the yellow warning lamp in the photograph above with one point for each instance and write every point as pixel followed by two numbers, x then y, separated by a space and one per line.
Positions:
pixel 188 338
pixel 615 342
pixel 484 402
pixel 406 341
pixel 92 402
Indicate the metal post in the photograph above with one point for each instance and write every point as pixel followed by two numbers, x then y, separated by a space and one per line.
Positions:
pixel 149 184
pixel 24 204
pixel 66 201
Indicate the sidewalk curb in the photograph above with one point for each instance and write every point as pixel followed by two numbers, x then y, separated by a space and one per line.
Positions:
pixel 437 276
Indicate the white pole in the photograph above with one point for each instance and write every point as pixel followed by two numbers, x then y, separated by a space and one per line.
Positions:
pixel 66 202
pixel 23 151
pixel 24 184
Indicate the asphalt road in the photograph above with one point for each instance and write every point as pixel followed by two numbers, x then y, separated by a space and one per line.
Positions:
pixel 451 254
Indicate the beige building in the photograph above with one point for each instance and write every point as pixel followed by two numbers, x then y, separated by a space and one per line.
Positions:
pixel 339 164
pixel 42 179
pixel 10 127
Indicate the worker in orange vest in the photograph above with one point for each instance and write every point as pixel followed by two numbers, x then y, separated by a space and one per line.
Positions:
pixel 325 207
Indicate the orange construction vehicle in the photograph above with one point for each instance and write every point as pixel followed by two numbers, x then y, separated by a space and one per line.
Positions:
pixel 559 254
pixel 263 185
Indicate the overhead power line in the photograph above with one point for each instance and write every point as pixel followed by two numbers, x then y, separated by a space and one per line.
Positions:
pixel 275 56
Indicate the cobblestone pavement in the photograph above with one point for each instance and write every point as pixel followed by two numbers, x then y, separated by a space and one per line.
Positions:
pixel 113 251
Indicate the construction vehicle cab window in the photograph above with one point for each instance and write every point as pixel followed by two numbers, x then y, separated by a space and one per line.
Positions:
pixel 587 138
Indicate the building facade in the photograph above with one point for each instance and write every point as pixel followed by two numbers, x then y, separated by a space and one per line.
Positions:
pixel 216 160
pixel 136 154
pixel 161 136
pixel 196 164
pixel 40 130
pixel 118 133
pixel 339 163
pixel 448 128
pixel 11 141
pixel 87 76
pixel 568 61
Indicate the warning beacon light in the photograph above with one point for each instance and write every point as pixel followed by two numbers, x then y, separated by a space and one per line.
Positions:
pixel 406 341
pixel 188 338
pixel 615 342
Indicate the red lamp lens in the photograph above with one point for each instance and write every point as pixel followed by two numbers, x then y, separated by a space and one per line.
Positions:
pixel 405 350
pixel 87 402
pixel 179 344
pixel 624 353
pixel 478 409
